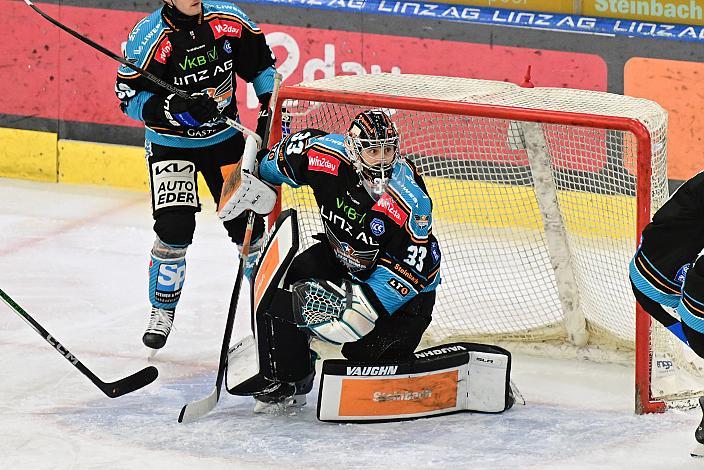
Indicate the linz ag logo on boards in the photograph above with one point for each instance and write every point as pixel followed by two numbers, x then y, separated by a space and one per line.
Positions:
pixel 375 370
pixel 226 28
pixel 388 206
pixel 324 163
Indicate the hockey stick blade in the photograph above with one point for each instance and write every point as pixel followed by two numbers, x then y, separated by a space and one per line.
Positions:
pixel 202 407
pixel 129 384
pixel 112 389
pixel 198 409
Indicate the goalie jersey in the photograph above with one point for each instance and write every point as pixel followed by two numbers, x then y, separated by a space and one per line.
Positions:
pixel 386 245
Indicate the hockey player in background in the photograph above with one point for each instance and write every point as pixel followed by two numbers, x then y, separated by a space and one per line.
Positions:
pixel 668 269
pixel 378 252
pixel 198 46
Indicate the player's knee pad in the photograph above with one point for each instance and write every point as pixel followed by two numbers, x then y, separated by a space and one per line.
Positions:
pixel 691 305
pixel 167 272
pixel 175 227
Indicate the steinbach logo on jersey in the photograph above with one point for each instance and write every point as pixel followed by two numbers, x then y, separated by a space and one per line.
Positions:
pixel 321 162
pixel 388 206
pixel 226 28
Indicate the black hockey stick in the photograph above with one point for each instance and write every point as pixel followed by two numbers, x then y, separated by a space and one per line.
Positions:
pixel 112 389
pixel 200 408
pixel 149 76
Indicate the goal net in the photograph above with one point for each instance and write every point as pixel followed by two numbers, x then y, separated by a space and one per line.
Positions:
pixel 539 196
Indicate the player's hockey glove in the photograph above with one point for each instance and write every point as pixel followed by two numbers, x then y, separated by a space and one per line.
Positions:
pixel 243 190
pixel 191 112
pixel 335 314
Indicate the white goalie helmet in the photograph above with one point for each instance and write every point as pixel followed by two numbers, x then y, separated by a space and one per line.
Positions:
pixel 372 143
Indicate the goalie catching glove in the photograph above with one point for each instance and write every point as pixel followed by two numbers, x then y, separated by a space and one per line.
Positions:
pixel 335 314
pixel 243 191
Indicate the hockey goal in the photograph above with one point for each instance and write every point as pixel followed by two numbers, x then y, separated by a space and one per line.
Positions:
pixel 539 196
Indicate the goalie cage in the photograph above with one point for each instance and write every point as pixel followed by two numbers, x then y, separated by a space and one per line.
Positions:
pixel 539 199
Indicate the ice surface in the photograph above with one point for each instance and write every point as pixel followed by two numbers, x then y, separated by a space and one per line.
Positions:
pixel 76 259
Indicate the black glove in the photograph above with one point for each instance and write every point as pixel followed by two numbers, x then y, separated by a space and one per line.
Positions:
pixel 191 112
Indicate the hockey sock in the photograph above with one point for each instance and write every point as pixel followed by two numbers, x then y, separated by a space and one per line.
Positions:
pixel 167 272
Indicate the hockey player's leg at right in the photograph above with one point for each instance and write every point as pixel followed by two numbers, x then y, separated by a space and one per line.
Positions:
pixel 656 277
pixel 174 204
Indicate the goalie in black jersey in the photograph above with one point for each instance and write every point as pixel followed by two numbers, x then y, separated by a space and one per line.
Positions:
pixel 667 271
pixel 369 282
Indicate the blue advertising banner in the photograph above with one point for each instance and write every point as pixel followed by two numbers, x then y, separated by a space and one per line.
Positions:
pixel 503 17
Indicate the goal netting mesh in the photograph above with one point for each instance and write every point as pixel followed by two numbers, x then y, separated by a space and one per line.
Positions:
pixel 534 202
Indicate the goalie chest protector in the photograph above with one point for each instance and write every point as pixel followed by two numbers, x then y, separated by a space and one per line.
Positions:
pixel 444 379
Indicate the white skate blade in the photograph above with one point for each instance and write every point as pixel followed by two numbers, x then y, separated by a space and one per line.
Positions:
pixel 288 406
pixel 151 352
pixel 698 451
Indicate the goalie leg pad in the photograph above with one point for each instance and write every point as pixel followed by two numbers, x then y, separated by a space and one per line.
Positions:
pixel 247 371
pixel 286 346
pixel 445 379
pixel 283 352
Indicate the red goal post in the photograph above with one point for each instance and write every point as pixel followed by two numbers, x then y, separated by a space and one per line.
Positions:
pixel 480 145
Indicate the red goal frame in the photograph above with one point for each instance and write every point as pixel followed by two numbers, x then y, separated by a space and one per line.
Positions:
pixel 644 401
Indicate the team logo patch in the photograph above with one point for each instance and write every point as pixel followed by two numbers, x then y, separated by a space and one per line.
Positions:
pixel 227 47
pixel 377 227
pixel 682 273
pixel 422 220
pixel 323 163
pixel 388 206
pixel 435 251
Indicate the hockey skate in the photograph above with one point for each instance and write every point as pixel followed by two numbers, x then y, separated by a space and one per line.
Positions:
pixel 160 323
pixel 287 398
pixel 281 401
pixel 698 451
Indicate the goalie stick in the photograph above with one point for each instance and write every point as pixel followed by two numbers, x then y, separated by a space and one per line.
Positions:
pixel 200 408
pixel 151 77
pixel 111 389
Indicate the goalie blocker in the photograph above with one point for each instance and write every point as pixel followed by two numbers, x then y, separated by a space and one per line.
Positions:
pixel 445 379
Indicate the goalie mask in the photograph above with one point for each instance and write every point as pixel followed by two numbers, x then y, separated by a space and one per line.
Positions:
pixel 373 145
